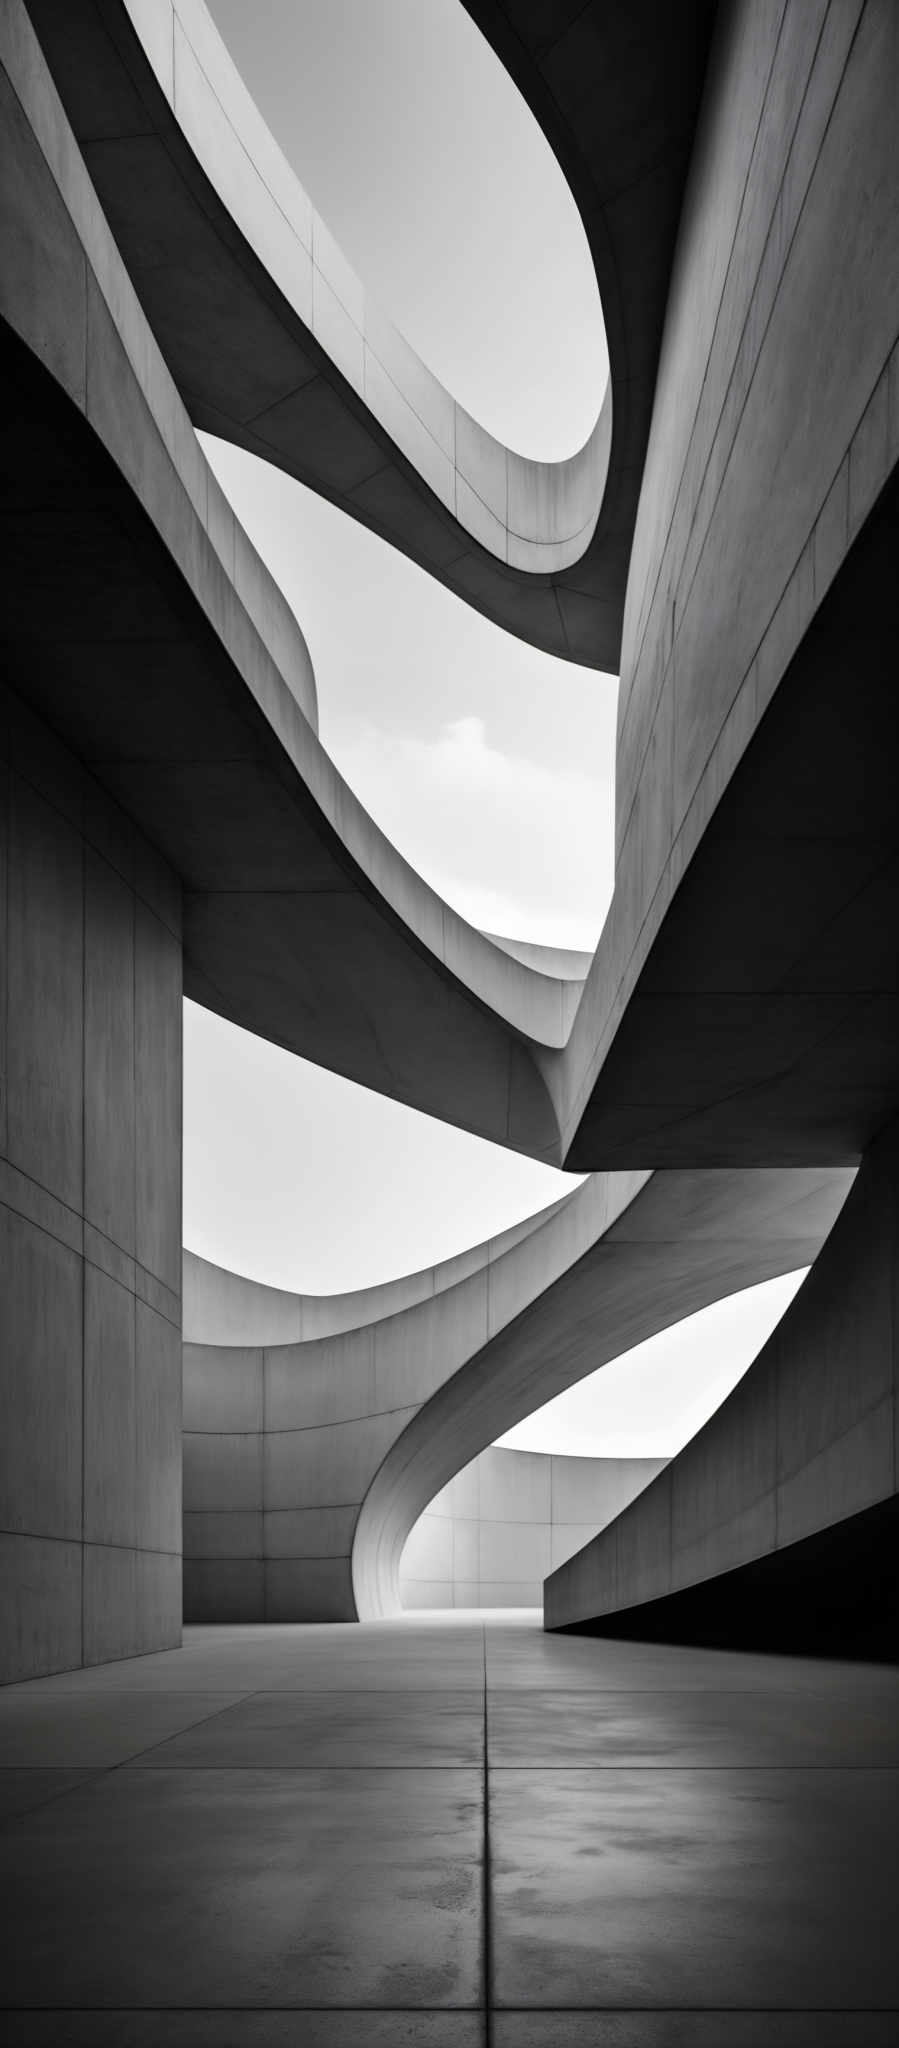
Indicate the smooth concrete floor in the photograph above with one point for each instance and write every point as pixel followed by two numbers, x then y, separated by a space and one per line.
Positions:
pixel 450 1830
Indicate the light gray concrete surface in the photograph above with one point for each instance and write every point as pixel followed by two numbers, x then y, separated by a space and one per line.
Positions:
pixel 804 1445
pixel 775 430
pixel 90 1219
pixel 532 515
pixel 796 135
pixel 307 1463
pixel 414 1831
pixel 300 920
pixel 491 1536
pixel 275 345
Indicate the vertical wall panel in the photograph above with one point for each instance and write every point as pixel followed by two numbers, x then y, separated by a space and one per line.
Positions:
pixel 109 1162
pixel 90 1174
pixel 157 1103
pixel 44 1000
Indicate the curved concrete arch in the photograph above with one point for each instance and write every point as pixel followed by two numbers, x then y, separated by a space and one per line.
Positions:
pixel 223 1307
pixel 536 516
pixel 306 375
pixel 307 1463
pixel 491 1537
pixel 742 1000
pixel 714 1022
pixel 302 921
pixel 676 1050
pixel 777 1522
pixel 740 1015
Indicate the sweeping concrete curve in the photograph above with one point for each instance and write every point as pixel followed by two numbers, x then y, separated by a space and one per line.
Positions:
pixel 301 920
pixel 537 516
pixel 307 1462
pixel 742 1005
pixel 493 1534
pixel 777 1523
pixel 273 346
pixel 737 983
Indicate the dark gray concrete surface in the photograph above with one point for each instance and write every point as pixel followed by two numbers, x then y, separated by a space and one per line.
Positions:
pixel 90 1218
pixel 617 95
pixel 490 1536
pixel 742 1000
pixel 741 1005
pixel 446 1833
pixel 306 1464
pixel 300 922
pixel 777 1523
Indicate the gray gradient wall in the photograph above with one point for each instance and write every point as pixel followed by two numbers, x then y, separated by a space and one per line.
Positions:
pixel 491 1537
pixel 90 1219
pixel 808 1438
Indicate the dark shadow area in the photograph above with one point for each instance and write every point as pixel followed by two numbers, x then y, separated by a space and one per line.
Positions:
pixel 763 1028
pixel 836 1594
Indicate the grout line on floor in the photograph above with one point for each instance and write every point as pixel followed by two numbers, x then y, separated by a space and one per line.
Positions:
pixel 487 1876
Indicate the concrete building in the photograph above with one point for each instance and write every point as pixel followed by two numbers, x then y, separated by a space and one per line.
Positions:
pixel 727 1073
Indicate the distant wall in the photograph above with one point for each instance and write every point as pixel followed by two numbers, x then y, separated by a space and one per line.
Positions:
pixel 90 1219
pixel 491 1537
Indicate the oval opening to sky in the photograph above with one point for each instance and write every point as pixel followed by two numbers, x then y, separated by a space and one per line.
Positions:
pixel 443 193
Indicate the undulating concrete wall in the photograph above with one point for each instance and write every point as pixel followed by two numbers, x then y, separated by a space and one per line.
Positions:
pixel 490 1538
pixel 806 1442
pixel 318 1430
pixel 775 426
pixel 90 1218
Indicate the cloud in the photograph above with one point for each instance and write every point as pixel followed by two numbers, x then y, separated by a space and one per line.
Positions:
pixel 514 845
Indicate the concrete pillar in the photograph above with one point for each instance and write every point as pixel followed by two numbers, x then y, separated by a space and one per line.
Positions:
pixel 90 1219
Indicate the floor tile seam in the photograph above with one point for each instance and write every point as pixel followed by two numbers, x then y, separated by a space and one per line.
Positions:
pixel 686 1692
pixel 574 1770
pixel 486 1868
pixel 586 1692
pixel 417 2011
pixel 91 1771
pixel 121 1764
pixel 472 1769
pixel 148 1749
pixel 700 2011
pixel 119 1692
pixel 296 1770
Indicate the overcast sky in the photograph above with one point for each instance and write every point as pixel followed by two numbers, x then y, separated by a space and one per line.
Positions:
pixel 489 765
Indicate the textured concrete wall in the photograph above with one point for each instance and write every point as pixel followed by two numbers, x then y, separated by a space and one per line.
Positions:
pixel 775 427
pixel 491 1537
pixel 90 1219
pixel 806 1441
pixel 308 1462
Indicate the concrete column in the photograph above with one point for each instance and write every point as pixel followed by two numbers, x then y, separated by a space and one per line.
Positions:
pixel 90 1218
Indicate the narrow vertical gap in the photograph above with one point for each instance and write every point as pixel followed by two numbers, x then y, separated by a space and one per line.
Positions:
pixel 487 1905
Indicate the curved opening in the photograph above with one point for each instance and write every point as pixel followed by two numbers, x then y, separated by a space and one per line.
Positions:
pixel 534 515
pixel 492 1535
pixel 446 728
pixel 355 1191
pixel 479 251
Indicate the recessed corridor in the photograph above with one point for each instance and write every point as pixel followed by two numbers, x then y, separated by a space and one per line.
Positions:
pixel 300 1834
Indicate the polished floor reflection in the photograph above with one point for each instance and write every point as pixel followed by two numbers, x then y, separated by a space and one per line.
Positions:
pixel 450 1831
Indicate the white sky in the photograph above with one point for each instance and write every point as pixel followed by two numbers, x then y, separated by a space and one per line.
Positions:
pixel 491 766
pixel 650 1401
